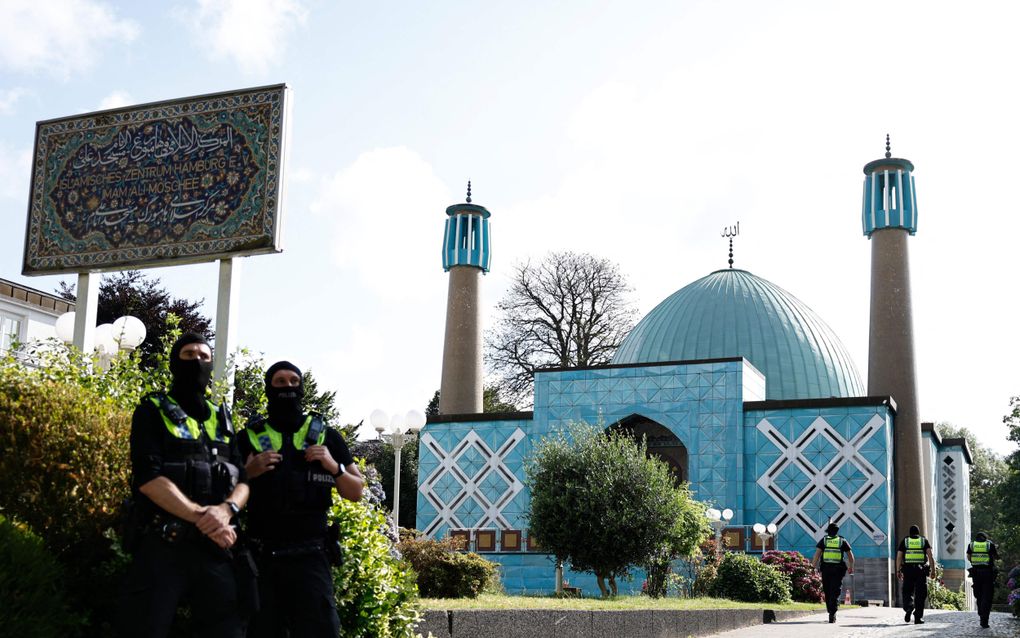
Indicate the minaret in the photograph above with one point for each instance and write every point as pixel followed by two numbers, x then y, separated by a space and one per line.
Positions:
pixel 889 218
pixel 465 256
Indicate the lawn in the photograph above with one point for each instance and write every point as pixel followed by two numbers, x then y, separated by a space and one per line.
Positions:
pixel 497 601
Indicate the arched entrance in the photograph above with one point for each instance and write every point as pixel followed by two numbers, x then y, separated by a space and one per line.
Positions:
pixel 661 442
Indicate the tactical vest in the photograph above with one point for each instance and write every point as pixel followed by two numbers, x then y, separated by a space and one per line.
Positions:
pixel 832 554
pixel 197 455
pixel 979 556
pixel 304 485
pixel 915 554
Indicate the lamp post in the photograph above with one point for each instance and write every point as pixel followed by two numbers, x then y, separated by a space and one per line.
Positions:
pixel 765 533
pixel 718 520
pixel 399 424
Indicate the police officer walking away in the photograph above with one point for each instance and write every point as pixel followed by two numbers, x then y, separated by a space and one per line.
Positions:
pixel 982 553
pixel 294 461
pixel 829 551
pixel 914 561
pixel 187 483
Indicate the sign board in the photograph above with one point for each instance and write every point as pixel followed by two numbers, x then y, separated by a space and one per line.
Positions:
pixel 182 181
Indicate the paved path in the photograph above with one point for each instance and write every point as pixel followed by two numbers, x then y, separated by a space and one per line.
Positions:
pixel 883 622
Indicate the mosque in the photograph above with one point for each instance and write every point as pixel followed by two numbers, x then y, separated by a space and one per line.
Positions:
pixel 741 388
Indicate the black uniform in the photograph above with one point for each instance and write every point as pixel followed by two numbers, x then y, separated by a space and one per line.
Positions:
pixel 833 573
pixel 983 576
pixel 915 580
pixel 287 523
pixel 173 560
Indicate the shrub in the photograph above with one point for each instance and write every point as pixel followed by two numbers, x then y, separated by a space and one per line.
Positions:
pixel 601 504
pixel 940 596
pixel 806 583
pixel 31 586
pixel 743 577
pixel 444 572
pixel 376 594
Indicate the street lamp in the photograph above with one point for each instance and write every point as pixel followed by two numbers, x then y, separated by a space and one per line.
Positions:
pixel 765 533
pixel 125 333
pixel 399 424
pixel 718 520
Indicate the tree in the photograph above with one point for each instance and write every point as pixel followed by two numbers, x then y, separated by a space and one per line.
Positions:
pixel 601 504
pixel 1009 493
pixel 131 293
pixel 986 475
pixel 570 309
pixel 491 403
pixel 250 392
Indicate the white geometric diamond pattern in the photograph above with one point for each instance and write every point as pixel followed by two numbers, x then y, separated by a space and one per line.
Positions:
pixel 472 485
pixel 820 478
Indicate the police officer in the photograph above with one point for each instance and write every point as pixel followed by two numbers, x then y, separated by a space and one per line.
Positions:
pixel 982 553
pixel 829 552
pixel 914 561
pixel 188 483
pixel 294 461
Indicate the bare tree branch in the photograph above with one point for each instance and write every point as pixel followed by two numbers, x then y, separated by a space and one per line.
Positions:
pixel 568 310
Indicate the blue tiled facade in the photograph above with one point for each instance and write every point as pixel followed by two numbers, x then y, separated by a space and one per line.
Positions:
pixel 797 464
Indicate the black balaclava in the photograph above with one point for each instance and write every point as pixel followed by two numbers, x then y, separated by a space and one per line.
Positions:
pixel 191 377
pixel 915 530
pixel 832 529
pixel 981 537
pixel 284 404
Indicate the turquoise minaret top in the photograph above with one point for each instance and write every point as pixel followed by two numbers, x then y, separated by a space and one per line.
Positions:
pixel 466 238
pixel 889 194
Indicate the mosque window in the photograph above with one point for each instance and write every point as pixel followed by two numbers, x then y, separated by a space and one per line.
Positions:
pixel 10 330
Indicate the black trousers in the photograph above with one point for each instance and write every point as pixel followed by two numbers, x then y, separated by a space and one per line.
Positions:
pixel 832 582
pixel 163 574
pixel 984 587
pixel 915 590
pixel 296 595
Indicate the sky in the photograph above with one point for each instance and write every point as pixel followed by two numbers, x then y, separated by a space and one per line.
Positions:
pixel 631 130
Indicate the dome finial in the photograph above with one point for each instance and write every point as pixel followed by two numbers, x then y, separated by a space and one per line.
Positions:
pixel 888 148
pixel 469 190
pixel 731 232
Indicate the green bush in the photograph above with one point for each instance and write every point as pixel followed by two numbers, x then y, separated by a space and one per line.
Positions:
pixel 31 586
pixel 743 577
pixel 376 594
pixel 445 572
pixel 940 596
pixel 601 504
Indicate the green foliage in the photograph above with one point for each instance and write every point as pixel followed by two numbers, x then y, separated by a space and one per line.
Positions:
pixel 444 572
pixel 492 402
pixel 1007 532
pixel 743 577
pixel 376 593
pixel 249 392
pixel 940 596
pixel 31 586
pixel 601 504
pixel 132 293
pixel 379 454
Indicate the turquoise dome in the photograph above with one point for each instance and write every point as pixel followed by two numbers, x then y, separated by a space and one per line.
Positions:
pixel 732 313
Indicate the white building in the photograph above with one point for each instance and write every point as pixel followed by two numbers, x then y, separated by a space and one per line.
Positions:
pixel 27 313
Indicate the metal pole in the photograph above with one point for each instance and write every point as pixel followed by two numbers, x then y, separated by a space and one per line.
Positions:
pixel 226 321
pixel 85 307
pixel 398 442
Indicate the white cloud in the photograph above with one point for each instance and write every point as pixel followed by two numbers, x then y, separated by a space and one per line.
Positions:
pixel 61 37
pixel 115 100
pixel 387 211
pixel 252 33
pixel 10 97
pixel 15 169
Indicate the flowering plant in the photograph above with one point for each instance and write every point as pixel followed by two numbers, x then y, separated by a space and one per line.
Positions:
pixel 805 582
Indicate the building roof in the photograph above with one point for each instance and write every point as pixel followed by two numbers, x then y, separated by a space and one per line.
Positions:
pixel 44 301
pixel 731 313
